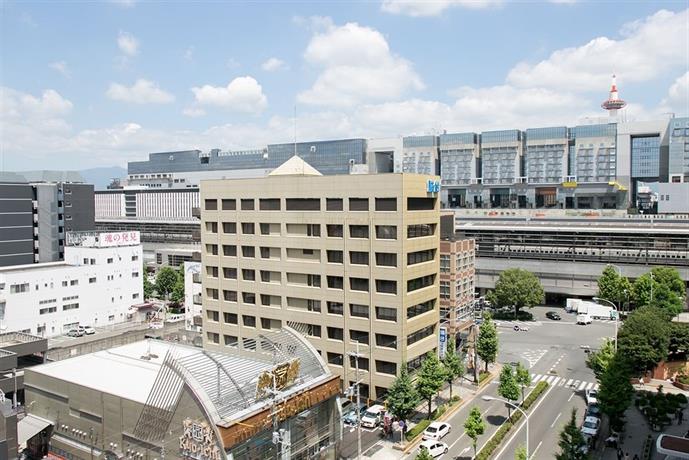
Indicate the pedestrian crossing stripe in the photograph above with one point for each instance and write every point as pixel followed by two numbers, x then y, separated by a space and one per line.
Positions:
pixel 554 380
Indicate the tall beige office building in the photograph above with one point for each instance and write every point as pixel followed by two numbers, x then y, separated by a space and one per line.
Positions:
pixel 340 258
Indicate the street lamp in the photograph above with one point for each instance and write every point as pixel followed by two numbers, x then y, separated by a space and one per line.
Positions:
pixel 617 316
pixel 526 416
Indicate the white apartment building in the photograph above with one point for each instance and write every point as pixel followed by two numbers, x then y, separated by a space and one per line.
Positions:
pixel 342 259
pixel 192 294
pixel 99 280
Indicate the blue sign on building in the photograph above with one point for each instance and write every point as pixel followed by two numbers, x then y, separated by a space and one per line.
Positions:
pixel 433 186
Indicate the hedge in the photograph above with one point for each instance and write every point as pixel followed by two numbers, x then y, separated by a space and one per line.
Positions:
pixel 495 441
pixel 418 428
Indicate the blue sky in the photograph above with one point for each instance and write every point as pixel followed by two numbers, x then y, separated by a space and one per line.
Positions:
pixel 101 83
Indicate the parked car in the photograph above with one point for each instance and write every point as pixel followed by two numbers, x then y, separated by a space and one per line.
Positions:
pixel 552 315
pixel 74 333
pixel 518 328
pixel 350 417
pixel 593 410
pixel 436 430
pixel 435 448
pixel 345 405
pixel 87 330
pixel 373 416
pixel 591 397
pixel 590 426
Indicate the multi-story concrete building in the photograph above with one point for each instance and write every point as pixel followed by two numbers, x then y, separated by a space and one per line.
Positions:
pixel 419 155
pixel 99 280
pixel 343 259
pixel 35 216
pixel 158 400
pixel 678 161
pixel 457 282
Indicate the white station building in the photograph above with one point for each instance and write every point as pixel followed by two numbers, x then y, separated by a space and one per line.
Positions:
pixel 97 283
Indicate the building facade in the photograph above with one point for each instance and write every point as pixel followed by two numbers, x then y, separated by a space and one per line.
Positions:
pixel 457 282
pixel 678 162
pixel 342 259
pixel 36 216
pixel 143 203
pixel 186 403
pixel 96 284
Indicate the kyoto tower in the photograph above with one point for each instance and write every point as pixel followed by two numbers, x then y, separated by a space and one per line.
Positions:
pixel 613 103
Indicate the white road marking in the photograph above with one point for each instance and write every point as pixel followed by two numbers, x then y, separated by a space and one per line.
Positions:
pixel 453 444
pixel 533 454
pixel 589 386
pixel 561 383
pixel 571 396
pixel 581 387
pixel 558 416
pixel 596 387
pixel 569 382
pixel 576 383
pixel 557 379
pixel 550 379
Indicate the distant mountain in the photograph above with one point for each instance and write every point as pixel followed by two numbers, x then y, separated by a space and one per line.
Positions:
pixel 101 177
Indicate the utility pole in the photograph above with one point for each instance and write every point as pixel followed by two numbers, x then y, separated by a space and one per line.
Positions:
pixel 358 402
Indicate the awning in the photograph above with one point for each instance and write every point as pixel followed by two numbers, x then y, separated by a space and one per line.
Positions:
pixel 30 426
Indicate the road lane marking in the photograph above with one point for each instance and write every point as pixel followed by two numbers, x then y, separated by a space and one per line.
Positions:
pixel 589 386
pixel 453 444
pixel 533 454
pixel 558 416
pixel 596 387
pixel 571 396
pixel 581 387
pixel 569 382
pixel 533 411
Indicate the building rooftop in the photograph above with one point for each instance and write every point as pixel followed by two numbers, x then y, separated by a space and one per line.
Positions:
pixel 41 176
pixel 225 383
pixel 295 166
pixel 45 266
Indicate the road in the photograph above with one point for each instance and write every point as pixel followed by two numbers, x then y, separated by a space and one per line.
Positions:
pixel 551 350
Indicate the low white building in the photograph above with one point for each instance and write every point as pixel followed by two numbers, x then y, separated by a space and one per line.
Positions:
pixel 99 280
pixel 192 294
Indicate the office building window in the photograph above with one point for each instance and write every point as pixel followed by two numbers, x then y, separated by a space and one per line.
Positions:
pixel 230 340
pixel 358 204
pixel 359 311
pixel 333 204
pixel 334 231
pixel 335 308
pixel 335 333
pixel 229 318
pixel 248 251
pixel 229 296
pixel 229 273
pixel 386 367
pixel 363 363
pixel 334 257
pixel 212 249
pixel 418 257
pixel 386 259
pixel 358 258
pixel 421 204
pixel 212 293
pixel 420 283
pixel 386 340
pixel 269 204
pixel 210 204
pixel 248 275
pixel 386 286
pixel 358 284
pixel 229 204
pixel 213 337
pixel 335 282
pixel 212 227
pixel 248 228
pixel 386 313
pixel 213 315
pixel 420 230
pixel 249 298
pixel 249 321
pixel 358 231
pixel 420 334
pixel 335 359
pixel 444 262
pixel 444 289
pixel 386 204
pixel 247 204
pixel 229 227
pixel 386 232
pixel 421 308
pixel 358 336
pixel 212 271
pixel 229 250
pixel 303 204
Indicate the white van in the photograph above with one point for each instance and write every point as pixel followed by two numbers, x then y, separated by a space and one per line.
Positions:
pixel 373 416
pixel 584 319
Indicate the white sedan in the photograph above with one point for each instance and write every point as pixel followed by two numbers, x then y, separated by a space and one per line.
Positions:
pixel 435 448
pixel 591 397
pixel 590 426
pixel 436 431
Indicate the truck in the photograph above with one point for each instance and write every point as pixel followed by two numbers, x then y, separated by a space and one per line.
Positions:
pixel 592 309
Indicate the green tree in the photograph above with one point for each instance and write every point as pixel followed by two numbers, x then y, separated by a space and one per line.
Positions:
pixel 599 360
pixel 474 426
pixel 616 391
pixel 452 363
pixel 402 396
pixel 423 455
pixel 662 287
pixel 679 339
pixel 517 288
pixel 613 287
pixel 523 377
pixel 430 379
pixel 148 286
pixel 177 293
pixel 520 453
pixel 644 338
pixel 487 342
pixel 572 441
pixel 508 387
pixel 165 281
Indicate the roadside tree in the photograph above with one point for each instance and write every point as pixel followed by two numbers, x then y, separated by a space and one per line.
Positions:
pixel 616 391
pixel 148 286
pixel 402 396
pixel 452 363
pixel 572 442
pixel 613 287
pixel 508 387
pixel 430 379
pixel 165 281
pixel 487 342
pixel 662 287
pixel 599 360
pixel 517 288
pixel 423 455
pixel 523 377
pixel 520 453
pixel 644 338
pixel 474 426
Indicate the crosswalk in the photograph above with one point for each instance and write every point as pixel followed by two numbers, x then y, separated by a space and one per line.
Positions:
pixel 556 381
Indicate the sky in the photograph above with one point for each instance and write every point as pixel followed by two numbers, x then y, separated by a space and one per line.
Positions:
pixel 99 83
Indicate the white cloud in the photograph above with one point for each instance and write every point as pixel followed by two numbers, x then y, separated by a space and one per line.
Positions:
pixel 648 48
pixel 189 53
pixel 243 94
pixel 416 8
pixel 194 112
pixel 61 67
pixel 273 64
pixel 128 44
pixel 142 92
pixel 16 105
pixel 124 3
pixel 677 99
pixel 232 63
pixel 357 66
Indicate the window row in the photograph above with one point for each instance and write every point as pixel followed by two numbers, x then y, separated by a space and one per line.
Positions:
pixel 307 204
